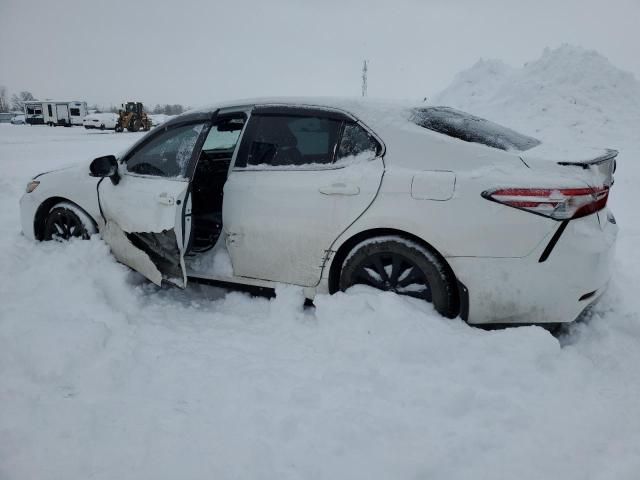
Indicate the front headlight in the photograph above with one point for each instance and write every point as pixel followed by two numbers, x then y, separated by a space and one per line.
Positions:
pixel 32 185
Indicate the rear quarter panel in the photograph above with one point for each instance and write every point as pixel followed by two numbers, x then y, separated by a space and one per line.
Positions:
pixel 463 223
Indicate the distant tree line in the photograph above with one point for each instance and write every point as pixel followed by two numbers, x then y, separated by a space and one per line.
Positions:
pixel 167 109
pixel 17 100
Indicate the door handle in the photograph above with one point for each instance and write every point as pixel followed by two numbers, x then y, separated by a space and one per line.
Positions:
pixel 340 189
pixel 165 199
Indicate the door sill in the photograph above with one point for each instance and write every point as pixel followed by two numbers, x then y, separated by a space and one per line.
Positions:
pixel 261 289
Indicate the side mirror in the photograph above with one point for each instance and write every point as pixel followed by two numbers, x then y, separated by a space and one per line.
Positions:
pixel 106 166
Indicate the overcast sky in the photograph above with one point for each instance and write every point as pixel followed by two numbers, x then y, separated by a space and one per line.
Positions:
pixel 196 52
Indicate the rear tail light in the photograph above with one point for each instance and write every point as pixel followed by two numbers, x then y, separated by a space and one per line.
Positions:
pixel 556 203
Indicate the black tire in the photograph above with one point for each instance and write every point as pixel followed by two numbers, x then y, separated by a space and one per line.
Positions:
pixel 402 266
pixel 102 127
pixel 65 221
pixel 118 128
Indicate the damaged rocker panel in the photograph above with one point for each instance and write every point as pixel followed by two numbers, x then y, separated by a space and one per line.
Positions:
pixel 154 255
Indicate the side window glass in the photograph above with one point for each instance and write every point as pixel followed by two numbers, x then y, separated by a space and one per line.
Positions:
pixel 168 154
pixel 356 144
pixel 282 140
pixel 223 136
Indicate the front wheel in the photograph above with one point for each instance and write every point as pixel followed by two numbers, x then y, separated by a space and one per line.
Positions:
pixel 66 221
pixel 402 266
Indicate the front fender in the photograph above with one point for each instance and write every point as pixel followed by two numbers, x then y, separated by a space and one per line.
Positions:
pixel 71 184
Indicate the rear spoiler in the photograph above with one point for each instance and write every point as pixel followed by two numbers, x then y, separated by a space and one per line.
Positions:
pixel 609 155
pixel 604 166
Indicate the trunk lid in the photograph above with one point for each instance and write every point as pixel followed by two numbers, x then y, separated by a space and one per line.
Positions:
pixel 595 166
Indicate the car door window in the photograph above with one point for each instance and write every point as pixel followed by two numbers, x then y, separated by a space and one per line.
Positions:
pixel 288 141
pixel 223 136
pixel 356 144
pixel 168 154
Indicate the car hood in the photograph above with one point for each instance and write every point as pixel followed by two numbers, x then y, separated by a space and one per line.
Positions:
pixel 81 167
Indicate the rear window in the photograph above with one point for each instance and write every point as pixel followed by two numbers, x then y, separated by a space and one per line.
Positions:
pixel 470 128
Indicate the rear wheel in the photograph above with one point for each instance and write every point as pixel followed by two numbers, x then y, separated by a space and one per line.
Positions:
pixel 65 221
pixel 102 127
pixel 404 267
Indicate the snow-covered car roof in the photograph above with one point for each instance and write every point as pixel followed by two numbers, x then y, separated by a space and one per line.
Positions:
pixel 358 106
pixel 405 128
pixel 101 115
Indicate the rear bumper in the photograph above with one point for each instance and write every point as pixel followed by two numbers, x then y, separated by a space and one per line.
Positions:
pixel 558 289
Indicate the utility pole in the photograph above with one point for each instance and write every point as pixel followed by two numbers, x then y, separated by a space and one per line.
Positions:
pixel 364 78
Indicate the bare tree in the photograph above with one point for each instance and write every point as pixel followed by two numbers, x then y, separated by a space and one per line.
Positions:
pixel 18 100
pixel 4 104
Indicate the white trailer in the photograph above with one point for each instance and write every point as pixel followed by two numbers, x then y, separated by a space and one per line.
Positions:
pixel 63 113
pixel 33 113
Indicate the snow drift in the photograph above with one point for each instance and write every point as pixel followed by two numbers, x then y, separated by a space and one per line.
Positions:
pixel 567 92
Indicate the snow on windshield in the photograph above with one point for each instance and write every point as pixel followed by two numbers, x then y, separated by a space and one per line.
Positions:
pixel 467 127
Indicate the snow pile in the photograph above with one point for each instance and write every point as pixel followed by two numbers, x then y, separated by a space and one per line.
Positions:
pixel 568 91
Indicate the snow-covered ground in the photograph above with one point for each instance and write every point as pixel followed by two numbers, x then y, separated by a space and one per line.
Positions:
pixel 105 376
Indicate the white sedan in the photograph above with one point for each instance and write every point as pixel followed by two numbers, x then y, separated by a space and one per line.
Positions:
pixel 101 121
pixel 429 202
pixel 18 120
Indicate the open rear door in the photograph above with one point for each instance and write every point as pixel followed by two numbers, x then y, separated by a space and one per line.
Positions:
pixel 147 212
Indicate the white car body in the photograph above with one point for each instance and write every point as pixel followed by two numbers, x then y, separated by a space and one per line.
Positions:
pixel 100 121
pixel 18 120
pixel 296 225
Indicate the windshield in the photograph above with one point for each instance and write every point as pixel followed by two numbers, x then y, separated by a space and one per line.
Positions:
pixel 470 128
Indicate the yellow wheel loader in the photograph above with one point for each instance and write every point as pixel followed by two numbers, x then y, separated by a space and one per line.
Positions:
pixel 133 118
